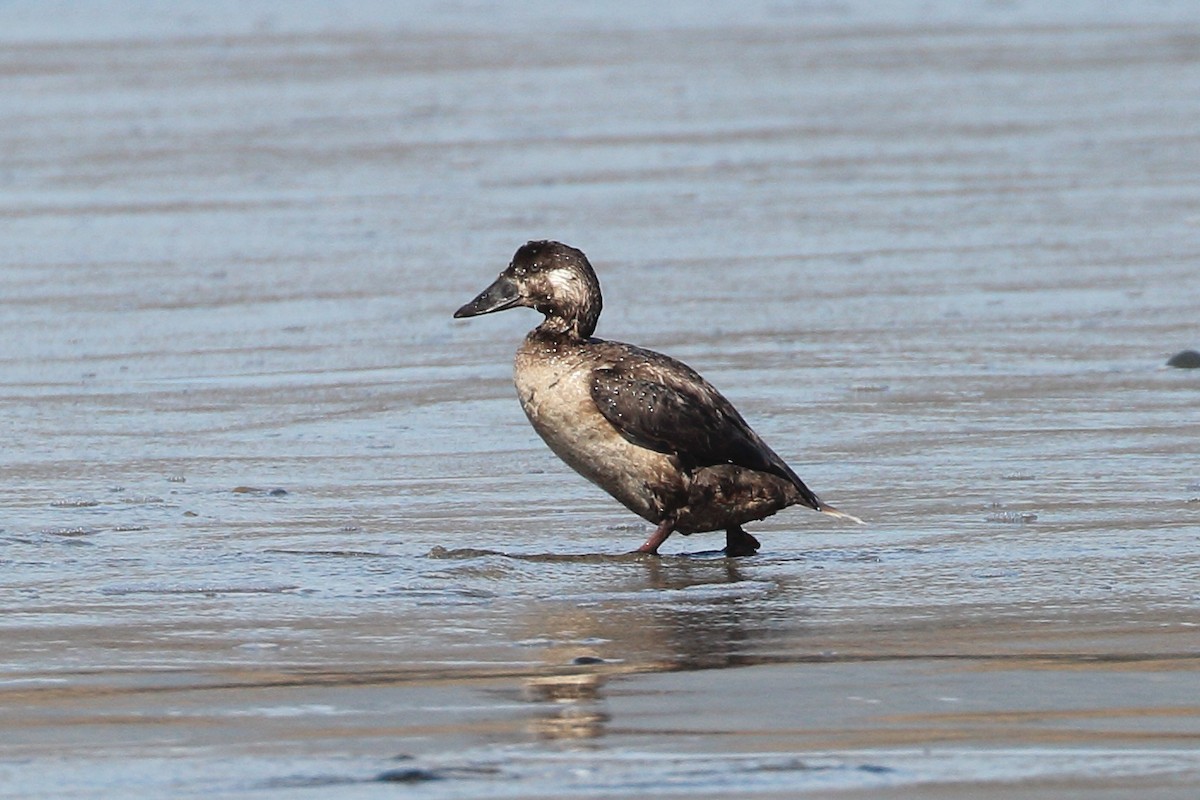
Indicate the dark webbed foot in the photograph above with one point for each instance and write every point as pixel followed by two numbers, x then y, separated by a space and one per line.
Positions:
pixel 740 543
pixel 657 538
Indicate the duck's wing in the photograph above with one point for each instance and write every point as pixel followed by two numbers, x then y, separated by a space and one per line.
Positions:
pixel 661 404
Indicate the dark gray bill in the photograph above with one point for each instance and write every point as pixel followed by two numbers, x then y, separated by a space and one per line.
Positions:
pixel 502 294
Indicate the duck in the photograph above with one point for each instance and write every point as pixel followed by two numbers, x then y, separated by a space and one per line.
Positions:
pixel 646 428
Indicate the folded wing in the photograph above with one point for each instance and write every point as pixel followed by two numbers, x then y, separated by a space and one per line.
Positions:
pixel 663 405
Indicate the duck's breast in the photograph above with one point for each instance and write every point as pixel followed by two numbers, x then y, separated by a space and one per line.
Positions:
pixel 553 381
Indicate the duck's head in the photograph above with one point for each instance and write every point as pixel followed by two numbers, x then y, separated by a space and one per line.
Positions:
pixel 552 278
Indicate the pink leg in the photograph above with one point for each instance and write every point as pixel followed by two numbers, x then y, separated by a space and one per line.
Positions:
pixel 658 537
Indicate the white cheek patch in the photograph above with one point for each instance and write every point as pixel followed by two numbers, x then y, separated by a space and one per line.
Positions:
pixel 562 282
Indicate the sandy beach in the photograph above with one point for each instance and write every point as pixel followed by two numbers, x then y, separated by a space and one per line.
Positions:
pixel 272 523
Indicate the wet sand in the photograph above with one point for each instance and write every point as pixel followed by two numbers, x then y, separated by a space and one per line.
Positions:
pixel 272 523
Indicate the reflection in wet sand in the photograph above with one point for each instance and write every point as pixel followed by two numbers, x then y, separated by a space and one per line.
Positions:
pixel 605 640
pixel 572 705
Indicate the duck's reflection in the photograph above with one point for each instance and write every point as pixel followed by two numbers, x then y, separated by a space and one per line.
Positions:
pixel 689 614
pixel 572 706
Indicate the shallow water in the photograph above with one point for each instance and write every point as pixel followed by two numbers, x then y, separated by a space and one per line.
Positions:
pixel 273 521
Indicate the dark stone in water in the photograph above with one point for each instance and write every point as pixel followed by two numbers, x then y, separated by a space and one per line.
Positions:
pixel 585 660
pixel 421 775
pixel 408 775
pixel 1185 359
pixel 875 769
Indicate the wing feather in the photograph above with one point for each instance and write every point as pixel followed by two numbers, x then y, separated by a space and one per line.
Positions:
pixel 664 405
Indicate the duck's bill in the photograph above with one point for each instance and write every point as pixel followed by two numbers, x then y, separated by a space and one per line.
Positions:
pixel 502 294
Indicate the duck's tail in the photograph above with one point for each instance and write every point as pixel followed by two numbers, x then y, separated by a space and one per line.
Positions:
pixel 808 497
pixel 825 508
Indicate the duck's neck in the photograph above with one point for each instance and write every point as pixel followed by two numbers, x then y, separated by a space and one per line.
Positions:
pixel 574 310
pixel 575 327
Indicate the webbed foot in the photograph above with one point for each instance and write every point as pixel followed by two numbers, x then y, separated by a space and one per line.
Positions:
pixel 740 543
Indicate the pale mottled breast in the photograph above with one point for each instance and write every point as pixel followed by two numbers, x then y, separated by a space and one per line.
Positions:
pixel 554 384
pixel 552 380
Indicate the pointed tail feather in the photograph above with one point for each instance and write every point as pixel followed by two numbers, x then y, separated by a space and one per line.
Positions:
pixel 810 499
pixel 833 512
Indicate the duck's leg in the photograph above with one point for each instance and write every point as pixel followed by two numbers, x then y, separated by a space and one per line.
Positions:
pixel 740 543
pixel 658 537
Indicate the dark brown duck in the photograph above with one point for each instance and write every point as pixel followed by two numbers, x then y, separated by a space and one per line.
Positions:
pixel 640 425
